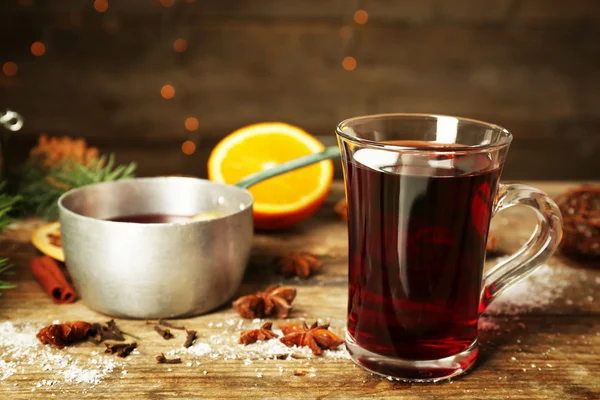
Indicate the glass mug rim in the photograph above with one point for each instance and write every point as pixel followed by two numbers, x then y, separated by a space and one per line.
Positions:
pixel 504 140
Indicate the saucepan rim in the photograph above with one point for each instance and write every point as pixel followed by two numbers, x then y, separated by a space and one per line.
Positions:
pixel 247 203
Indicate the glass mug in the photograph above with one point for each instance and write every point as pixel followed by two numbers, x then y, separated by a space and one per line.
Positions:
pixel 421 190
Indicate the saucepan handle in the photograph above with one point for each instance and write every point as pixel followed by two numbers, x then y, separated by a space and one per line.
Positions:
pixel 542 243
pixel 329 153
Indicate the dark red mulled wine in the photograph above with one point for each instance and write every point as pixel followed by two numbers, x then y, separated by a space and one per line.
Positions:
pixel 417 234
pixel 152 218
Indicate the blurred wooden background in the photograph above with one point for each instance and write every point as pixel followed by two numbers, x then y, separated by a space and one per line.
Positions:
pixel 532 66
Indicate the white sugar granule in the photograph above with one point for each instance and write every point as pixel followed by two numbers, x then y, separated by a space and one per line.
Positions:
pixel 20 349
pixel 198 350
pixel 538 291
pixel 7 369
pixel 487 324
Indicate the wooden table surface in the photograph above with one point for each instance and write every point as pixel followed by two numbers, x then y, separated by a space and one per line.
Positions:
pixel 549 352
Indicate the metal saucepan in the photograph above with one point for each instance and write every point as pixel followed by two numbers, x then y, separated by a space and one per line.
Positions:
pixel 164 270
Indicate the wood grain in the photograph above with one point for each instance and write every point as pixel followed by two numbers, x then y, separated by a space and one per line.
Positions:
pixel 562 340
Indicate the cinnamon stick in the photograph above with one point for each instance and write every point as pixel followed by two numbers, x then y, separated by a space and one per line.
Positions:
pixel 50 276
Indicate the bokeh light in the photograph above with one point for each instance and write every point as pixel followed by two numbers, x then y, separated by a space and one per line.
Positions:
pixel 167 91
pixel 349 63
pixel 345 32
pixel 361 17
pixel 38 49
pixel 191 124
pixel 167 3
pixel 188 147
pixel 101 5
pixel 9 68
pixel 180 45
pixel 26 3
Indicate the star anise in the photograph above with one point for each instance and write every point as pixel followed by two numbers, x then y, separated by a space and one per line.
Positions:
pixel 299 264
pixel 317 337
pixel 254 335
pixel 275 301
pixel 61 335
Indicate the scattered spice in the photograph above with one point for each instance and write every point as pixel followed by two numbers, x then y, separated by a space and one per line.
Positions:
pixel 114 329
pixel 265 332
pixel 191 338
pixel 50 276
pixel 20 350
pixel 84 368
pixel 580 208
pixel 110 331
pixel 300 372
pixel 317 337
pixel 164 360
pixel 61 335
pixel 275 301
pixel 299 264
pixel 95 334
pixel 341 209
pixel 165 333
pixel 223 344
pixel 122 349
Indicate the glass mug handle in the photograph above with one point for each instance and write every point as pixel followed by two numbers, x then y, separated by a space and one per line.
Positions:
pixel 540 246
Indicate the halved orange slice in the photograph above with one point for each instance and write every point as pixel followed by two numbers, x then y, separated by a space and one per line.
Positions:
pixel 287 199
pixel 47 239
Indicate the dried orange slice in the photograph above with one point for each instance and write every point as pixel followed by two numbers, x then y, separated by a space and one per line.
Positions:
pixel 287 199
pixel 47 239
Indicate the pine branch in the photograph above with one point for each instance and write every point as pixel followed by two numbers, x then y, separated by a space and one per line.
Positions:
pixel 7 205
pixel 43 187
pixel 4 270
